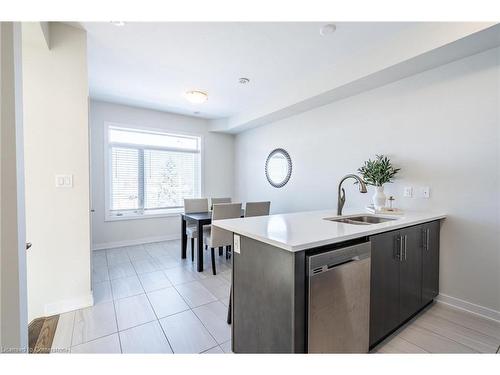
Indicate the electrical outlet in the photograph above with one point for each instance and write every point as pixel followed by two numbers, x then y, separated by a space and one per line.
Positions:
pixel 408 192
pixel 64 180
pixel 426 192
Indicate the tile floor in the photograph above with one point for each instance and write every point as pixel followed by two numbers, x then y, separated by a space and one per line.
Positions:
pixel 148 300
pixel 444 329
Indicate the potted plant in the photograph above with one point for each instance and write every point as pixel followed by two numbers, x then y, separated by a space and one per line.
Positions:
pixel 377 173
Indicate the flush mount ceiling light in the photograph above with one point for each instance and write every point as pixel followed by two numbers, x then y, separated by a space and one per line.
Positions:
pixel 196 96
pixel 327 29
pixel 243 80
pixel 118 23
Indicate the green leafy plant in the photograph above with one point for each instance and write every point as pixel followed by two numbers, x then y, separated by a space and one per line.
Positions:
pixel 379 171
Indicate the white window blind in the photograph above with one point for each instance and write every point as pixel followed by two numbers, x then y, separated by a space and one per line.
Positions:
pixel 169 177
pixel 150 171
pixel 125 178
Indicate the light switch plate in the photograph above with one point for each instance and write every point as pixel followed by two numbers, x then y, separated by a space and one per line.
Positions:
pixel 237 248
pixel 426 192
pixel 64 180
pixel 408 192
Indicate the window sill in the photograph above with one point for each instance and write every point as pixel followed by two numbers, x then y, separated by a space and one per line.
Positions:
pixel 150 215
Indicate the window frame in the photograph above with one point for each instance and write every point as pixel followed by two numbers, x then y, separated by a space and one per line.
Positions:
pixel 111 215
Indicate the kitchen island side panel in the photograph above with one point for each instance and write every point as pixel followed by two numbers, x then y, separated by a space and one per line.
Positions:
pixel 268 299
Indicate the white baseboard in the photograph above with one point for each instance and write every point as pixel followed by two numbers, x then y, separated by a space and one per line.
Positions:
pixel 69 305
pixel 469 307
pixel 140 241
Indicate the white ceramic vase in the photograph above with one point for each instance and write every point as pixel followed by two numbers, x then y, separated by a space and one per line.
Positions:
pixel 379 197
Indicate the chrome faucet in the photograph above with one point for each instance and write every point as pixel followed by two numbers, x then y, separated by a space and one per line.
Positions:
pixel 341 193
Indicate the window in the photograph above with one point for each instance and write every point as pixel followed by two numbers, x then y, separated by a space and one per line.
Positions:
pixel 151 172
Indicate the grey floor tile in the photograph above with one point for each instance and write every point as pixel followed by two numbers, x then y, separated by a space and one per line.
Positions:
pixel 154 281
pixel 217 285
pixel 99 258
pixel 214 318
pixel 64 331
pixel 117 257
pixel 117 250
pixel 133 311
pixel 102 292
pixel 126 287
pixel 226 275
pixel 121 270
pixel 226 347
pixel 432 342
pixel 186 334
pixel 139 255
pixel 146 338
pixel 214 350
pixel 195 294
pixel 166 262
pixel 167 302
pixel 180 275
pixel 145 266
pixel 94 322
pixel 100 274
pixel 108 344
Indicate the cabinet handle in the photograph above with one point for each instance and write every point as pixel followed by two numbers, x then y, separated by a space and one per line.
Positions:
pixel 406 243
pixel 401 248
pixel 428 231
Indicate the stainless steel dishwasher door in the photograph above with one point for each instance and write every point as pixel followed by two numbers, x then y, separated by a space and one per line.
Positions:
pixel 339 300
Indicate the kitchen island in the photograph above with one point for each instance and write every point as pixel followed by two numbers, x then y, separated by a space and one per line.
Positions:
pixel 271 288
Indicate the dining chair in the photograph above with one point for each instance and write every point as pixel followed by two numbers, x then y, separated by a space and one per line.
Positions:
pixel 218 200
pixel 217 237
pixel 257 209
pixel 192 206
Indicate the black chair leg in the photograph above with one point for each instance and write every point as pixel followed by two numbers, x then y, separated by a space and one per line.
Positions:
pixel 192 249
pixel 229 307
pixel 220 250
pixel 212 250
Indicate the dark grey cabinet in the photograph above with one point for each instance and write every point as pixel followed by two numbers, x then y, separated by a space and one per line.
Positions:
pixel 405 276
pixel 384 284
pixel 430 261
pixel 410 272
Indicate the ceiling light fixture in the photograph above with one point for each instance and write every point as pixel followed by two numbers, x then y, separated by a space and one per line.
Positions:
pixel 196 96
pixel 243 80
pixel 118 23
pixel 327 29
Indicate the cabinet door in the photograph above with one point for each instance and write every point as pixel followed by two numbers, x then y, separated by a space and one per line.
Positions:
pixel 430 261
pixel 384 293
pixel 410 272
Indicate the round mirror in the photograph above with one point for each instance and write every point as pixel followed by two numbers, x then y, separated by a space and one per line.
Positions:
pixel 278 167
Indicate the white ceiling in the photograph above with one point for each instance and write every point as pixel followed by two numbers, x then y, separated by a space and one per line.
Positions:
pixel 152 64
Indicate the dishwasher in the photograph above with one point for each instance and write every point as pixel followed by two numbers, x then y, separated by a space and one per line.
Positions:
pixel 338 315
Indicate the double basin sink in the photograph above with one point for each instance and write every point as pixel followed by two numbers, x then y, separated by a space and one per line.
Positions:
pixel 361 219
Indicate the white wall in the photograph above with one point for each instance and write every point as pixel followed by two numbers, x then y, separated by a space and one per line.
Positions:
pixel 218 168
pixel 56 142
pixel 441 127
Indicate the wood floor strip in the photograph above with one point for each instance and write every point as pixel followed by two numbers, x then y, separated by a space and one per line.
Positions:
pixel 34 329
pixel 41 333
pixel 44 342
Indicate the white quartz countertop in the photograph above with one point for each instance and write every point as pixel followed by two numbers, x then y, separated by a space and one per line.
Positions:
pixel 304 230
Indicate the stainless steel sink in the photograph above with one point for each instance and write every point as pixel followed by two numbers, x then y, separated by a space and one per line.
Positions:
pixel 361 220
